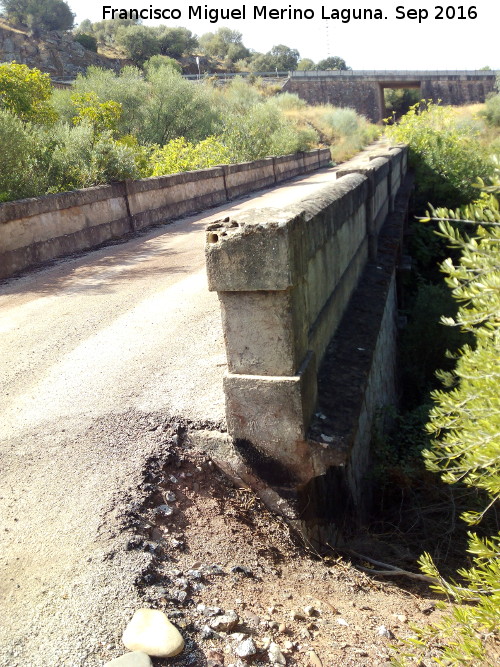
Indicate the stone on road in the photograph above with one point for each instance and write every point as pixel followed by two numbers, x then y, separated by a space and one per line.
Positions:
pixel 151 632
pixel 134 659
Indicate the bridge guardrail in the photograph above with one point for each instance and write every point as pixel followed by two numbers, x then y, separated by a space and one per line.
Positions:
pixel 285 278
pixel 347 73
pixel 33 231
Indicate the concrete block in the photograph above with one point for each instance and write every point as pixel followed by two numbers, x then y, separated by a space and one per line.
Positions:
pixel 251 252
pixel 248 176
pixel 272 412
pixel 262 332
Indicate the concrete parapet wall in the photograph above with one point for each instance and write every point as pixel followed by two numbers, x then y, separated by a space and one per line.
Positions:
pixel 30 230
pixel 285 279
pixel 248 176
pixel 288 166
pixel 37 230
pixel 154 200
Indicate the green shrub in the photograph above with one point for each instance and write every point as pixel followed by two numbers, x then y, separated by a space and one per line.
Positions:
pixel 181 155
pixel 346 131
pixel 492 110
pixel 128 88
pixel 156 62
pixel 244 137
pixel 445 153
pixel 26 92
pixel 342 121
pixel 288 101
pixel 465 426
pixel 89 42
pixel 80 159
pixel 22 168
pixel 174 107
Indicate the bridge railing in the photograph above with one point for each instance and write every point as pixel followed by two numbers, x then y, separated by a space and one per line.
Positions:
pixel 231 75
pixel 284 278
pixel 388 73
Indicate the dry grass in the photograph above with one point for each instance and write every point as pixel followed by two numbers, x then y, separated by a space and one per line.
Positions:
pixel 343 130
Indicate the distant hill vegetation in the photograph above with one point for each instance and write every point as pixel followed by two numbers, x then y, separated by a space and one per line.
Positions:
pixel 55 52
pixel 41 33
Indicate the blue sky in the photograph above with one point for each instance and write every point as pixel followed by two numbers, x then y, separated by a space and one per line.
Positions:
pixel 388 43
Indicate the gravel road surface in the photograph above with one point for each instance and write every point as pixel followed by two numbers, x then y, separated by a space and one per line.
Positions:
pixel 96 351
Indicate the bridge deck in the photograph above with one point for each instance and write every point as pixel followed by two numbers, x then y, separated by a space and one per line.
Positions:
pixel 90 347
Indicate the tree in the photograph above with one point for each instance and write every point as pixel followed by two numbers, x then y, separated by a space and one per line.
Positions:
pixel 261 62
pixel 284 58
pixel 175 42
pixel 305 65
pixel 25 92
pixel 85 26
pixel 139 43
pixel 333 62
pixel 224 44
pixel 40 15
pixel 280 57
pixel 106 31
pixel 129 88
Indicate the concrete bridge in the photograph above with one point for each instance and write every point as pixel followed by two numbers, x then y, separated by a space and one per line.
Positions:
pixel 286 278
pixel 363 90
pixel 105 354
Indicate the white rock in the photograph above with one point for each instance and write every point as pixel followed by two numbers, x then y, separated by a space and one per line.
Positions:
pixel 341 621
pixel 134 659
pixel 276 657
pixel 150 631
pixel 382 631
pixel 246 648
pixel 164 510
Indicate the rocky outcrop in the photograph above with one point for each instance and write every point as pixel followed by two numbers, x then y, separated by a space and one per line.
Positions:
pixel 55 53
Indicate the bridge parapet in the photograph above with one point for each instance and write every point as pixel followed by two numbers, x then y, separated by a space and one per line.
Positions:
pixel 284 280
pixel 384 75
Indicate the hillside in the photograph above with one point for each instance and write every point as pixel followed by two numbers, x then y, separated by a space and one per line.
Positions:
pixel 56 53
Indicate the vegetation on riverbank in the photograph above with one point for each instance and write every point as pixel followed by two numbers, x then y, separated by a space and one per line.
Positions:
pixel 452 416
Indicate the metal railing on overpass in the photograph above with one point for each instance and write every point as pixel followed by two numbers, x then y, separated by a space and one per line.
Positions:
pixel 231 75
pixel 390 73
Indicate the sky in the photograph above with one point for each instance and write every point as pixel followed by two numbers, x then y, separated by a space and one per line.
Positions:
pixel 404 38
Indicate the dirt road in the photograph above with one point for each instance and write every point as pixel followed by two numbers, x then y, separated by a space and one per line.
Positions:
pixel 96 352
